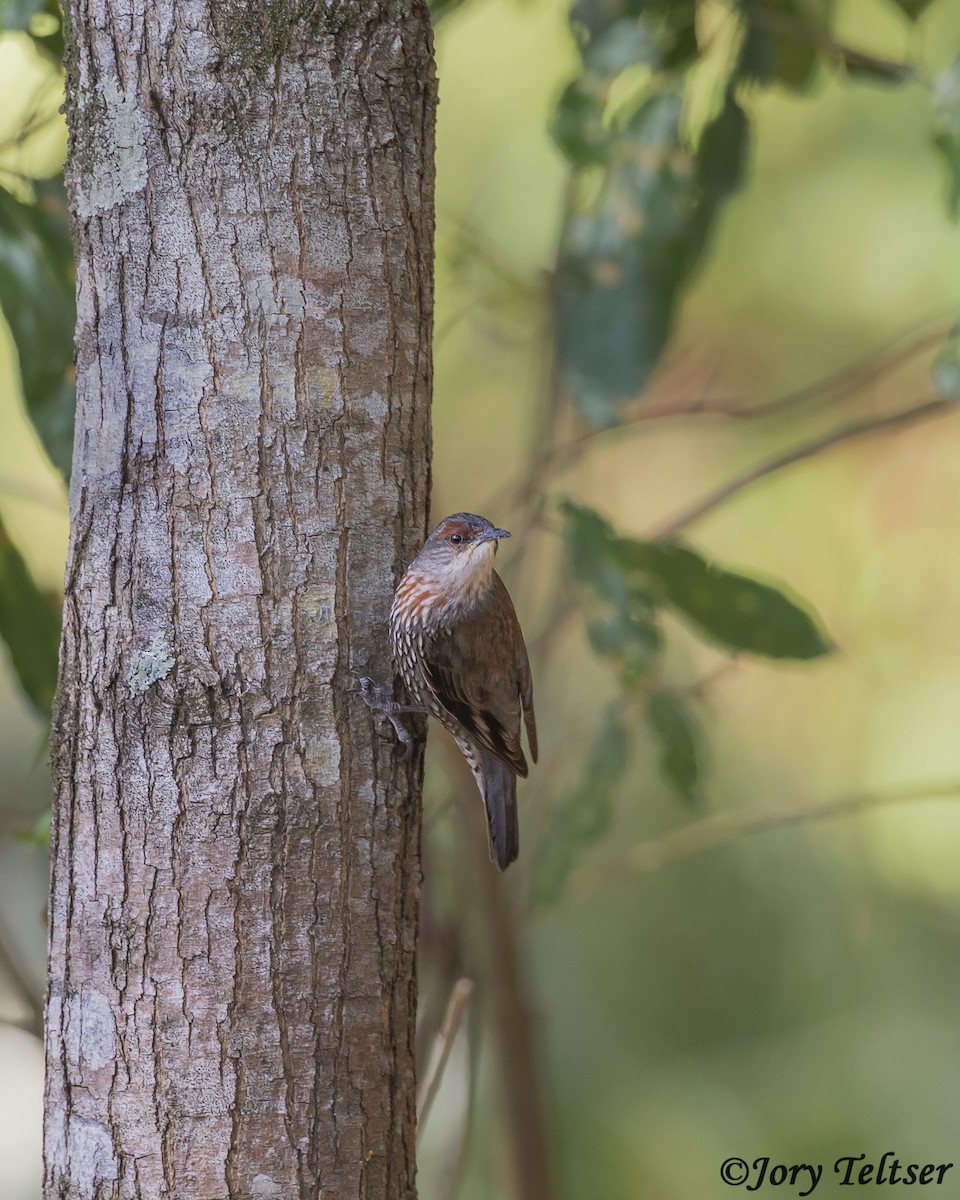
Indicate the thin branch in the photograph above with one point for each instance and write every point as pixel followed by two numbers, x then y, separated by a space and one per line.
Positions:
pixel 848 56
pixel 725 827
pixel 30 491
pixel 442 1046
pixel 25 992
pixel 839 385
pixel 866 427
pixel 34 119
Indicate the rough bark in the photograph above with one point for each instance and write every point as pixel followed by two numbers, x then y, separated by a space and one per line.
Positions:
pixel 236 846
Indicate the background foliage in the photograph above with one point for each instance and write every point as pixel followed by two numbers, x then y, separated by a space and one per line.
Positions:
pixel 683 248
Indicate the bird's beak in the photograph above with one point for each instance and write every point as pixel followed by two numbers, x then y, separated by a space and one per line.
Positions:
pixel 495 534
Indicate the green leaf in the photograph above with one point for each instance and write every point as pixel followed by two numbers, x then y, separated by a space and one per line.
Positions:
pixel 627 42
pixel 946 135
pixel 584 815
pixel 678 735
pixel 46 29
pixel 626 258
pixel 945 370
pixel 773 50
pixel 16 15
pixel 629 637
pixel 592 553
pixel 577 125
pixel 29 627
pixel 625 629
pixel 913 9
pixel 37 300
pixel 740 613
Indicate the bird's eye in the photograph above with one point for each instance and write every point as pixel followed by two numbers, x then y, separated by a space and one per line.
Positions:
pixel 456 538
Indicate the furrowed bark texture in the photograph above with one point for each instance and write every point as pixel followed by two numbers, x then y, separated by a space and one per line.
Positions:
pixel 236 843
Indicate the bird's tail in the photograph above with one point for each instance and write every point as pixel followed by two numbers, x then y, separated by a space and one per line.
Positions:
pixel 499 791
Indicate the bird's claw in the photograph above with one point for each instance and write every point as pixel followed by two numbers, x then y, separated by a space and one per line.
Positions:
pixel 377 700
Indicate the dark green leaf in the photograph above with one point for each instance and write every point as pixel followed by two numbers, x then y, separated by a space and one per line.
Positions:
pixel 37 299
pixel 29 627
pixel 946 137
pixel 17 14
pixel 945 371
pixel 626 258
pixel 592 553
pixel 629 637
pixel 443 8
pixel 913 9
pixel 585 813
pixel 734 610
pixel 625 629
pixel 577 125
pixel 627 42
pixel 678 736
pixel 774 48
pixel 46 29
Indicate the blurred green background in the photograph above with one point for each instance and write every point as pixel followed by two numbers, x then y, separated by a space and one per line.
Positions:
pixel 793 993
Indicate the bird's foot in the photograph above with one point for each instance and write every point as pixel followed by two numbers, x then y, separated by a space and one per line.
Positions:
pixel 377 700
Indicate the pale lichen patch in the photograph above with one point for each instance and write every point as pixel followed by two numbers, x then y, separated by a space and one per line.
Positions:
pixel 150 665
pixel 119 168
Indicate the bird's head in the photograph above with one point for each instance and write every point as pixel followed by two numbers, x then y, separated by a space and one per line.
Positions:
pixel 459 556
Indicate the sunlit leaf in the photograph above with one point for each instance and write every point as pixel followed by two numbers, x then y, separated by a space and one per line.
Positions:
pixel 740 613
pixel 584 815
pixel 29 626
pixel 677 734
pixel 37 300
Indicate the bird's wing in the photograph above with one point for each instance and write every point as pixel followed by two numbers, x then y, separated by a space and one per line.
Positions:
pixel 466 675
pixel 526 694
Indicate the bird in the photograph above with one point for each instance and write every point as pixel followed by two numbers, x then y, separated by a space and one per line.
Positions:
pixel 459 650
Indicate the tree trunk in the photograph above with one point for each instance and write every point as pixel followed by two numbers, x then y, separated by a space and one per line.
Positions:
pixel 233 909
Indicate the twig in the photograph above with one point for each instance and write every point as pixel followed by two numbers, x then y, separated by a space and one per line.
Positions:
pixel 849 56
pixel 29 491
pixel 452 1180
pixel 838 385
pixel 442 1045
pixel 715 831
pixel 856 429
pixel 33 1003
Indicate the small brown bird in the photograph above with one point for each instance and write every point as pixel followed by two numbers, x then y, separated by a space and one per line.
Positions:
pixel 458 646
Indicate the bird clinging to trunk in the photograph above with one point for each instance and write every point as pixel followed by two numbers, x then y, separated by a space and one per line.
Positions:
pixel 460 652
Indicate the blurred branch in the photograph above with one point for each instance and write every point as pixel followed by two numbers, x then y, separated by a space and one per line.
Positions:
pixel 838 385
pixel 850 57
pixel 498 959
pixel 866 427
pixel 29 491
pixel 725 827
pixel 33 1003
pixel 442 1045
pixel 50 91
